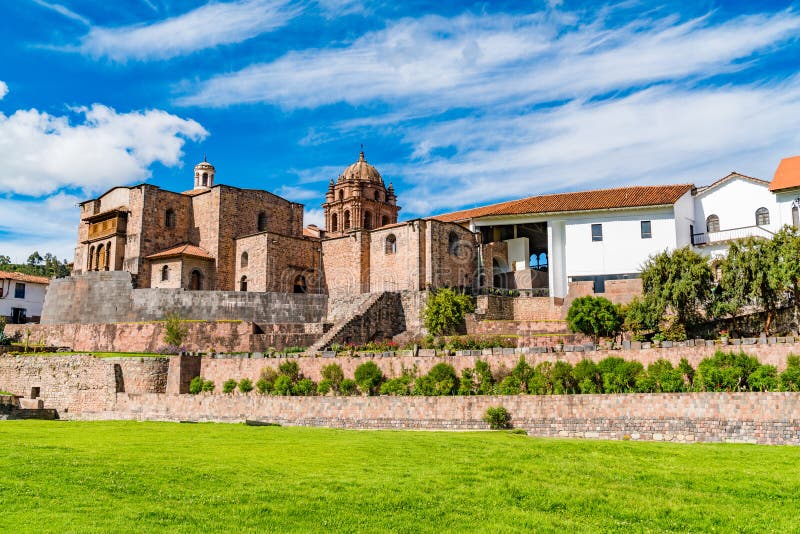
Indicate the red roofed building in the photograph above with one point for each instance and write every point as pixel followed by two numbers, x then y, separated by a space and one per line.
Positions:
pixel 22 297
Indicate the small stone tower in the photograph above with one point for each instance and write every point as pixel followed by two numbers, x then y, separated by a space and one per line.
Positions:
pixel 359 200
pixel 204 175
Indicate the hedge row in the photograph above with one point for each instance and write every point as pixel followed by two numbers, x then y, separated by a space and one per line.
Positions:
pixel 725 371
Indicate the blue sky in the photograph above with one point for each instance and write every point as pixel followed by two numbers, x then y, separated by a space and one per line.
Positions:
pixel 457 103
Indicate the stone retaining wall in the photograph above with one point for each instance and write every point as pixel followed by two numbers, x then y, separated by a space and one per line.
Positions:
pixel 767 418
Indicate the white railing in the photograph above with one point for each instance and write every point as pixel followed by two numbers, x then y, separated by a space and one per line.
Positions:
pixel 733 234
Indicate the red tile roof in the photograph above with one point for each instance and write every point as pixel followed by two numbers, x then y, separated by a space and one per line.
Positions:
pixel 787 174
pixel 21 277
pixel 601 199
pixel 182 250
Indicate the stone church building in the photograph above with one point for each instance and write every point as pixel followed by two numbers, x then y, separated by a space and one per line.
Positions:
pixel 220 237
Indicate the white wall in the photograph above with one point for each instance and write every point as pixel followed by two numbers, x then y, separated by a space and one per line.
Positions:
pixel 684 220
pixel 735 203
pixel 785 200
pixel 519 256
pixel 119 196
pixel 622 250
pixel 556 266
pixel 32 303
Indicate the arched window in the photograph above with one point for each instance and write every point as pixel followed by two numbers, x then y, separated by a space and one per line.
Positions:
pixel 300 284
pixel 347 219
pixel 164 273
pixel 341 194
pixel 391 244
pixel 762 217
pixel 533 263
pixel 243 284
pixel 795 217
pixel 712 224
pixel 244 260
pixel 108 257
pixel 384 220
pixel 169 218
pixel 91 259
pixel 378 196
pixel 262 222
pixel 334 222
pixel 196 280
pixel 452 243
pixel 367 220
pixel 205 178
pixel 101 257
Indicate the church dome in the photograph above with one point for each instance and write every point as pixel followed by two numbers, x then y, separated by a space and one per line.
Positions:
pixel 361 170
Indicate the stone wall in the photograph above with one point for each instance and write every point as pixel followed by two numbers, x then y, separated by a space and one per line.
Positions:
pixel 767 418
pixel 495 307
pixel 109 297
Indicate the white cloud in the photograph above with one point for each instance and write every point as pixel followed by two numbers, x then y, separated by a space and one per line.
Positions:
pixel 63 11
pixel 297 194
pixel 204 27
pixel 314 216
pixel 435 63
pixel 54 233
pixel 3 89
pixel 659 135
pixel 43 153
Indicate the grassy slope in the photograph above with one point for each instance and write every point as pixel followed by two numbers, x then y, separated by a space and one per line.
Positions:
pixel 59 476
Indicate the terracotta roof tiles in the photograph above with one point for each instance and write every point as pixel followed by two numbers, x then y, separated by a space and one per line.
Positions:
pixel 601 199
pixel 182 250
pixel 22 277
pixel 787 174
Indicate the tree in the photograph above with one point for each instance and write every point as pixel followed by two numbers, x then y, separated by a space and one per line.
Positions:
pixel 677 282
pixel 174 330
pixel 5 260
pixel 787 243
pixel 34 259
pixel 594 316
pixel 444 311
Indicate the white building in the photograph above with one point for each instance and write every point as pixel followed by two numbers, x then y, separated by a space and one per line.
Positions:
pixel 594 237
pixel 21 297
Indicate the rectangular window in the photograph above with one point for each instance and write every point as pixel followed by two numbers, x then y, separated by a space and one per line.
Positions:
pixel 19 291
pixel 646 230
pixel 597 232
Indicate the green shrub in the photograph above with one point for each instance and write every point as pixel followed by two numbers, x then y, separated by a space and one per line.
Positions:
pixel 619 376
pixel 348 387
pixel 305 387
pixel 333 374
pixel 562 379
pixel 324 387
pixel 522 372
pixel 510 385
pixel 687 372
pixel 498 418
pixel 196 385
pixel 208 386
pixel 725 371
pixel 282 385
pixel 263 386
pixel 245 385
pixel 587 377
pixel 661 377
pixel 368 377
pixel 443 379
pixel 467 385
pixel 291 369
pixel 229 385
pixel 790 378
pixel 764 378
pixel 539 382
pixel 444 311
pixel 294 350
pixel 174 330
pixel 484 378
pixel 397 386
pixel 594 316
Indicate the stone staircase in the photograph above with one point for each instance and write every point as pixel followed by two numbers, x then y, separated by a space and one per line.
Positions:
pixel 380 315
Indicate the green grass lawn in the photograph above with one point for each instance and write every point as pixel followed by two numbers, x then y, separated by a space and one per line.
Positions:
pixel 145 477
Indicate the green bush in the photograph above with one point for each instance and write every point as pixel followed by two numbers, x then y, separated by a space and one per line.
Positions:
pixel 444 311
pixel 498 418
pixel 282 385
pixel 725 371
pixel 291 369
pixel 245 385
pixel 196 385
pixel 510 385
pixel 562 379
pixel 208 386
pixel 619 376
pixel 174 330
pixel 368 377
pixel 790 378
pixel 587 377
pixel 661 377
pixel 266 380
pixel 294 350
pixel 333 374
pixel 764 378
pixel 397 386
pixel 348 387
pixel 440 380
pixel 229 385
pixel 594 316
pixel 324 387
pixel 467 384
pixel 483 377
pixel 263 386
pixel 304 387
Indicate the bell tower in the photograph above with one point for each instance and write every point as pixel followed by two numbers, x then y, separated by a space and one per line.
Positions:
pixel 359 200
pixel 204 175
